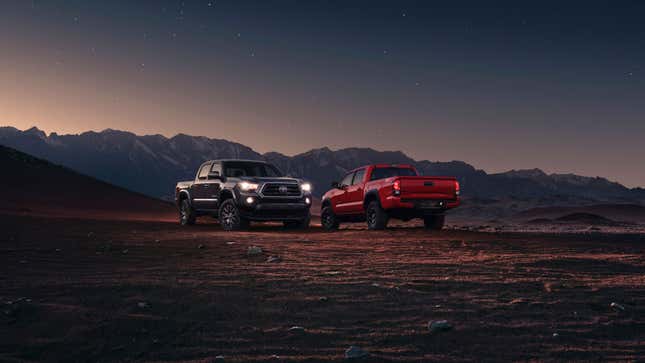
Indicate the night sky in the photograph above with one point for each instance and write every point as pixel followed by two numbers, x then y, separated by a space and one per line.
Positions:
pixel 501 85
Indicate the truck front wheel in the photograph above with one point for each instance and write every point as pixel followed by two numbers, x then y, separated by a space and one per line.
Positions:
pixel 376 216
pixel 434 222
pixel 328 219
pixel 186 213
pixel 230 218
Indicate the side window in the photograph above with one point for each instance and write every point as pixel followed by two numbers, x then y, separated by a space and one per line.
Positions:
pixel 358 177
pixel 216 168
pixel 347 180
pixel 203 172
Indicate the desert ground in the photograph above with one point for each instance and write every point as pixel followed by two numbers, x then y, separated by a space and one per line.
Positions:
pixel 96 289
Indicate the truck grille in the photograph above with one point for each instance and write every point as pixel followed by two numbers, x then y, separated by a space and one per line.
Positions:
pixel 280 190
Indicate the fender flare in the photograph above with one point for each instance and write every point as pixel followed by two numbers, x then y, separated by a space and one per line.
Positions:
pixel 187 193
pixel 371 194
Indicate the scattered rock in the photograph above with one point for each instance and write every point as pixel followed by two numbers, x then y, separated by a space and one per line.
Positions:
pixel 274 259
pixel 157 241
pixel 274 356
pixel 201 247
pixel 143 305
pixel 323 299
pixel 296 329
pixel 617 306
pixel 230 243
pixel 376 284
pixel 439 325
pixel 254 251
pixel 125 252
pixel 218 358
pixel 354 352
pixel 555 335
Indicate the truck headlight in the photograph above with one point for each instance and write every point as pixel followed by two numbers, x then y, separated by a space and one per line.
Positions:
pixel 305 187
pixel 247 187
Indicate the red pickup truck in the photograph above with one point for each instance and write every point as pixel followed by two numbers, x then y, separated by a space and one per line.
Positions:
pixel 376 193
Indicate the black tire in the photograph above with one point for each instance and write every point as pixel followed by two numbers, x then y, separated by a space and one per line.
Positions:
pixel 434 222
pixel 376 217
pixel 301 224
pixel 187 215
pixel 229 217
pixel 328 219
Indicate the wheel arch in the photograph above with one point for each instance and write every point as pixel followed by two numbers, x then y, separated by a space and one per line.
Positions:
pixel 371 196
pixel 183 195
pixel 225 195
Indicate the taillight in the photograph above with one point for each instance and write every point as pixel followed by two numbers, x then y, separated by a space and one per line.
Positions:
pixel 396 187
pixel 456 188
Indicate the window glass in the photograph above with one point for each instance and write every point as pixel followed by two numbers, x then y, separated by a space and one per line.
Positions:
pixel 347 180
pixel 382 173
pixel 217 168
pixel 358 178
pixel 203 172
pixel 238 169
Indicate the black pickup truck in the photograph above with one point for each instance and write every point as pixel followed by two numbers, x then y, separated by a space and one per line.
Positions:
pixel 239 191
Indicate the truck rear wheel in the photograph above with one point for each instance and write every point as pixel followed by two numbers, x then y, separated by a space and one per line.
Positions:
pixel 186 214
pixel 376 216
pixel 230 218
pixel 328 219
pixel 434 222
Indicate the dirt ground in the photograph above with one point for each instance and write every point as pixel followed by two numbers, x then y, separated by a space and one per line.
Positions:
pixel 100 290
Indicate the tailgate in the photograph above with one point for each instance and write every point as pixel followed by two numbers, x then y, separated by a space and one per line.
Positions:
pixel 427 187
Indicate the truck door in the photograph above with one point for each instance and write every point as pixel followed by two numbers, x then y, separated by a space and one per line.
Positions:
pixel 211 187
pixel 197 191
pixel 341 199
pixel 355 193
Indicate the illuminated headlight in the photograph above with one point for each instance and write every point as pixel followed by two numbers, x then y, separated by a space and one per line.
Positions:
pixel 247 187
pixel 307 200
pixel 250 200
pixel 305 187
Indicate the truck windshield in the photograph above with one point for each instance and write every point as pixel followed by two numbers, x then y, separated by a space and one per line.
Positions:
pixel 237 169
pixel 382 173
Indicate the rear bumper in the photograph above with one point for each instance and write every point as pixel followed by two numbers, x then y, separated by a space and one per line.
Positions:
pixel 421 206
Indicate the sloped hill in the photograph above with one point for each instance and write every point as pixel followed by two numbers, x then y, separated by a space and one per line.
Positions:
pixel 37 187
pixel 633 213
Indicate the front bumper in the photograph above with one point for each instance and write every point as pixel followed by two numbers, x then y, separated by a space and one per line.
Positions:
pixel 274 209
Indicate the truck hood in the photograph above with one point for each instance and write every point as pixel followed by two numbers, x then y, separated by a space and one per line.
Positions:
pixel 261 180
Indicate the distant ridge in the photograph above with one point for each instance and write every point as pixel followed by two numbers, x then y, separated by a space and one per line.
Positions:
pixel 152 164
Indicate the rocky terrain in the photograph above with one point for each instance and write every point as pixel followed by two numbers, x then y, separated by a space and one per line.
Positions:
pixel 100 290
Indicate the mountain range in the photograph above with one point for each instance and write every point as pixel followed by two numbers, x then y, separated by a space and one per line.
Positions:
pixel 152 164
